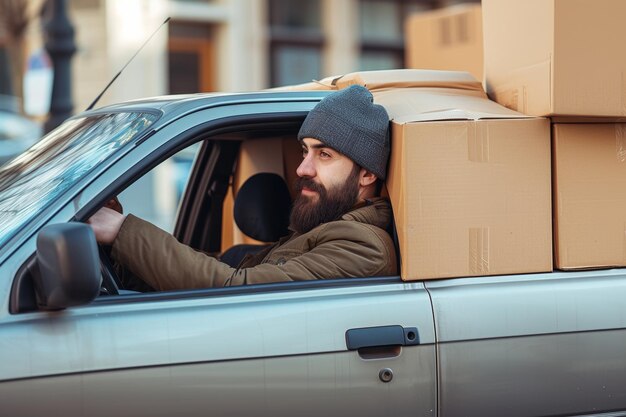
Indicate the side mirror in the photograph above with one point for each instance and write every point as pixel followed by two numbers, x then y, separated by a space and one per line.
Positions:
pixel 69 266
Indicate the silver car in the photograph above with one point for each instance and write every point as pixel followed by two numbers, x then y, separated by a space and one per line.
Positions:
pixel 75 342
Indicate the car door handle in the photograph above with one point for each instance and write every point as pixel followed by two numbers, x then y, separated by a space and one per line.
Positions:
pixel 369 337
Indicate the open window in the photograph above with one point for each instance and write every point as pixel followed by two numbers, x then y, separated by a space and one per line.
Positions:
pixel 192 194
pixel 206 220
pixel 191 190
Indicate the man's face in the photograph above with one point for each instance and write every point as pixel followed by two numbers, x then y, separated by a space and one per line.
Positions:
pixel 328 186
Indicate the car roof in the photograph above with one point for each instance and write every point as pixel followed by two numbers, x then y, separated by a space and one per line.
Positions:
pixel 177 105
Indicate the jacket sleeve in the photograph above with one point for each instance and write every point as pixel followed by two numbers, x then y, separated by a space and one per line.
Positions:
pixel 164 263
pixel 340 249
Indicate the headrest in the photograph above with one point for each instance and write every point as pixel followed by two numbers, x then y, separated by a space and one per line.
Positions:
pixel 262 207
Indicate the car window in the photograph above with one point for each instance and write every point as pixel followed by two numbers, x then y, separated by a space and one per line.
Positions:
pixel 33 180
pixel 155 197
pixel 205 219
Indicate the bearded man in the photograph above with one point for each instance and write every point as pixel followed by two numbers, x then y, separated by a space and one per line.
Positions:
pixel 338 223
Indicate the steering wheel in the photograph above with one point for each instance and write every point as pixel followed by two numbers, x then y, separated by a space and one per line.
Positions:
pixel 110 283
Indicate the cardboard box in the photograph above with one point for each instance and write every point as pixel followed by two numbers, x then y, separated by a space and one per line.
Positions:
pixel 399 78
pixel 446 39
pixel 471 194
pixel 589 195
pixel 469 180
pixel 556 57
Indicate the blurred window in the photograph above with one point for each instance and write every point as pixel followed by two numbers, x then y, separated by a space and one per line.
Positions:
pixel 295 15
pixel 372 60
pixel 296 64
pixel 156 196
pixel 191 58
pixel 296 41
pixel 379 21
pixel 381 30
pixel 86 4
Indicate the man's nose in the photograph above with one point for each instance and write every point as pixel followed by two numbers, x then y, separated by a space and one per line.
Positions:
pixel 306 168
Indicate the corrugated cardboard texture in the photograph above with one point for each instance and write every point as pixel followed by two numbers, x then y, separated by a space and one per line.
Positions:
pixel 378 80
pixel 556 57
pixel 404 78
pixel 446 39
pixel 429 104
pixel 590 195
pixel 472 197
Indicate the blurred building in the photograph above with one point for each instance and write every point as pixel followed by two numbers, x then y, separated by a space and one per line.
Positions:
pixel 216 45
pixel 231 45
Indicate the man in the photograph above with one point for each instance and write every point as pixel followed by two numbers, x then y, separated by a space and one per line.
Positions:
pixel 338 224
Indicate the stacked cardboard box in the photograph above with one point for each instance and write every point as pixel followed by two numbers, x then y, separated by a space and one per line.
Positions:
pixel 565 59
pixel 446 39
pixel 590 195
pixel 469 179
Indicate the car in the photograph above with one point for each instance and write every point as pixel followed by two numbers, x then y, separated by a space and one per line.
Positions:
pixel 74 342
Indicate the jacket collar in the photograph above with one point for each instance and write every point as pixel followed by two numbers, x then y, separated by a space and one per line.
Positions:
pixel 375 211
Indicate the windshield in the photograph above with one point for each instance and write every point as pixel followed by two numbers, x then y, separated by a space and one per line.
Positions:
pixel 30 182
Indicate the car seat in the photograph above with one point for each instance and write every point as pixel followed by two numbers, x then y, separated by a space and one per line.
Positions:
pixel 261 211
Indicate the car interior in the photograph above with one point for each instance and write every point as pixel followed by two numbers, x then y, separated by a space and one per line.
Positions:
pixel 235 202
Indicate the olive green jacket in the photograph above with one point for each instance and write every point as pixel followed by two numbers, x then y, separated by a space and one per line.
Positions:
pixel 357 245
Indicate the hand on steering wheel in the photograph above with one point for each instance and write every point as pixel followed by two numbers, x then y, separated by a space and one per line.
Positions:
pixel 110 282
pixel 114 204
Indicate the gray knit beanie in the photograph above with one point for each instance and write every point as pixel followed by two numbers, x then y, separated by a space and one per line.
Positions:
pixel 349 122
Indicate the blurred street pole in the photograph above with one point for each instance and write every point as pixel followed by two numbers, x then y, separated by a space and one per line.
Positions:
pixel 59 42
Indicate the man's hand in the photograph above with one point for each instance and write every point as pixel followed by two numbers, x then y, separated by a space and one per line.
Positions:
pixel 106 224
pixel 115 204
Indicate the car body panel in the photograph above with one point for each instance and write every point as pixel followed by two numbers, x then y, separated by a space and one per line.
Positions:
pixel 540 344
pixel 234 338
pixel 312 385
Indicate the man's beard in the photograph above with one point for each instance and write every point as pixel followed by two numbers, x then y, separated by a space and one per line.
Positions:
pixel 330 205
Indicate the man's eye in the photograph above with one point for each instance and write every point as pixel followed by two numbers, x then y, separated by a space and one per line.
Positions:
pixel 304 152
pixel 324 154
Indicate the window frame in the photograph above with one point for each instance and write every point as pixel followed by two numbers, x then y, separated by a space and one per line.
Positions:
pixel 397 47
pixel 199 178
pixel 203 48
pixel 281 36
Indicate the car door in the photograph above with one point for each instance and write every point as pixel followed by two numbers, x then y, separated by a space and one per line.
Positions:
pixel 257 352
pixel 532 345
pixel 337 347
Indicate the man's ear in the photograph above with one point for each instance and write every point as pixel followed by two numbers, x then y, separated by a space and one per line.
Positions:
pixel 366 178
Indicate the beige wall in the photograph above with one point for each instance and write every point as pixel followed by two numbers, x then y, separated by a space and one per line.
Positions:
pixel 129 23
pixel 340 20
pixel 109 32
pixel 108 35
pixel 90 65
pixel 242 46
